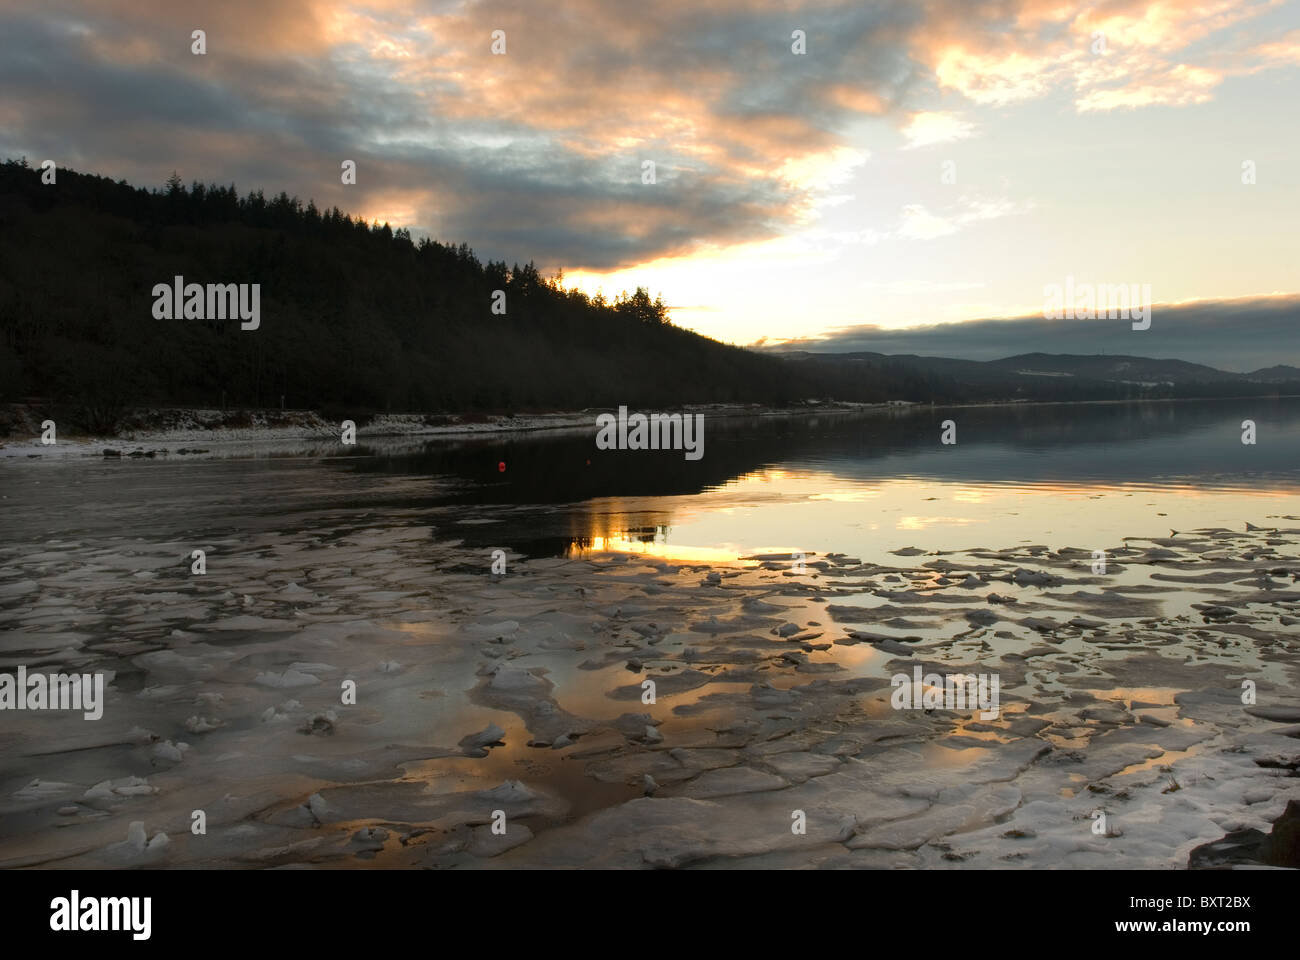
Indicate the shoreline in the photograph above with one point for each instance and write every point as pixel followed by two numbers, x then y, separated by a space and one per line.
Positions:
pixel 309 432
pixel 175 430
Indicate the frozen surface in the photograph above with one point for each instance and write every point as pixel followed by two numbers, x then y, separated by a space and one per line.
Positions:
pixel 499 719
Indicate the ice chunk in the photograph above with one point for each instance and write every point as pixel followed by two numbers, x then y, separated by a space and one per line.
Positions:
pixel 290 678
pixel 475 743
pixel 173 752
pixel 135 836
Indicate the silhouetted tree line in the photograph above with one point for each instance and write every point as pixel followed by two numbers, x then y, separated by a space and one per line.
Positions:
pixel 354 316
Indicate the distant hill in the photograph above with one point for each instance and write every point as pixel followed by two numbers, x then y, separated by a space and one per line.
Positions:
pixel 1043 376
pixel 1124 369
pixel 1278 374
pixel 1116 369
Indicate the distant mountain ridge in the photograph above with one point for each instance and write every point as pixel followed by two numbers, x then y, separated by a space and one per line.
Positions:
pixel 1099 368
pixel 1140 369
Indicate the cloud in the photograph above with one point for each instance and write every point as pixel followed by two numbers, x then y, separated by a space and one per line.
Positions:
pixel 541 147
pixel 928 127
pixel 538 153
pixel 918 223
pixel 1117 55
pixel 1241 335
pixel 1176 87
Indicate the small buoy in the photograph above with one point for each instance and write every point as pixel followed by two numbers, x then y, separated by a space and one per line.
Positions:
pixel 501 467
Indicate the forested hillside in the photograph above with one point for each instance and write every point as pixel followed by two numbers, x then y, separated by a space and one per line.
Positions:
pixel 352 313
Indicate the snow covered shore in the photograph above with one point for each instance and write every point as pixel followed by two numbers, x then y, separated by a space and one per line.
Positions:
pixel 216 433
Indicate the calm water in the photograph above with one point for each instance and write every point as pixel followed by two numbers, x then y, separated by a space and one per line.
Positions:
pixel 861 484
pixel 867 484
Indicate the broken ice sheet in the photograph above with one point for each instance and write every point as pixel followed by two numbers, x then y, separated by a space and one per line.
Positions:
pixel 524 694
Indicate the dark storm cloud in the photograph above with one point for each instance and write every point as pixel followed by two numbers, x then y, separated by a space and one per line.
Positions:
pixel 290 88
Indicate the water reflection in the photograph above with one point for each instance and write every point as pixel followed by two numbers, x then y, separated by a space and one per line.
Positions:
pixel 873 482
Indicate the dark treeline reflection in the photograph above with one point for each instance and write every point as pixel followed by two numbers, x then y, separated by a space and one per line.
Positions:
pixel 580 492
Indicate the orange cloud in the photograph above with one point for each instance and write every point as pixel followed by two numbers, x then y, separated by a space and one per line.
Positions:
pixel 747 135
pixel 1121 54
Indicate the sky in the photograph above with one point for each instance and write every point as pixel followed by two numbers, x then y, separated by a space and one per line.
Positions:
pixel 918 164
